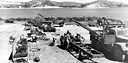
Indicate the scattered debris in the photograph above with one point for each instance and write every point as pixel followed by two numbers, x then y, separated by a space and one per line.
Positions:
pixel 53 42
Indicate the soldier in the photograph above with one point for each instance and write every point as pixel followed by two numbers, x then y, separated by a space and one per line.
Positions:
pixel 92 39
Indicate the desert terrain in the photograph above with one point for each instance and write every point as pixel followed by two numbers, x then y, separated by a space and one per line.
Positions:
pixel 49 54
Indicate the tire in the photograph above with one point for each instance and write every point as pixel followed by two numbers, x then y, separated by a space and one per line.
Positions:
pixel 118 54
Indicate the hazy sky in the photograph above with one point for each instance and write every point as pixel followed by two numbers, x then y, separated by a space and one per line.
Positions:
pixel 80 1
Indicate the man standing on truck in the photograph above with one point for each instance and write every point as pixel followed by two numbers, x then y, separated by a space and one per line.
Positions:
pixel 79 38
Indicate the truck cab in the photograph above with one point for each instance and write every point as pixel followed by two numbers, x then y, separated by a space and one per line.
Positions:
pixel 116 41
pixel 113 40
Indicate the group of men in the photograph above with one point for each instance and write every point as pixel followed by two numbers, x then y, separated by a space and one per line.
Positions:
pixel 68 37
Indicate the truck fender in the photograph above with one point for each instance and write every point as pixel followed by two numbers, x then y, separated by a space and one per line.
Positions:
pixel 118 52
pixel 123 46
pixel 116 46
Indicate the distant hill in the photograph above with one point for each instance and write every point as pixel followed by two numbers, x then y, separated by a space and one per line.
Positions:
pixel 94 4
pixel 53 3
pixel 66 4
pixel 108 4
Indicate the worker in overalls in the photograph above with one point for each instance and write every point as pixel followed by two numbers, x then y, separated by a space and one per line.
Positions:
pixel 79 38
pixel 92 39
pixel 67 40
pixel 62 39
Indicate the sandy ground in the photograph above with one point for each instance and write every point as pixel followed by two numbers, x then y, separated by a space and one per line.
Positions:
pixel 7 30
pixel 77 29
pixel 50 54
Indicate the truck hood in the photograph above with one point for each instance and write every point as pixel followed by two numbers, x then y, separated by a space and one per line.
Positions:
pixel 122 39
pixel 123 46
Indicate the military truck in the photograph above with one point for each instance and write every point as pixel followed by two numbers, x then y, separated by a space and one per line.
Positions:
pixel 112 38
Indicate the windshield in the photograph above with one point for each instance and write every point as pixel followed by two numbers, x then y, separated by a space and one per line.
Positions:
pixel 122 33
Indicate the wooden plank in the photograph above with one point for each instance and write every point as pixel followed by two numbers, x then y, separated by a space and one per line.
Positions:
pixel 82 50
pixel 88 51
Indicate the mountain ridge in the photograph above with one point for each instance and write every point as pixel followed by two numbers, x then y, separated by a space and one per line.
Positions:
pixel 43 3
pixel 109 4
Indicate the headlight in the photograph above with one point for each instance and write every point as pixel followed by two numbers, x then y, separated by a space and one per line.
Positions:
pixel 126 52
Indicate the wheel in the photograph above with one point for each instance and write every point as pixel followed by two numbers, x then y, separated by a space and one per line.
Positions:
pixel 118 54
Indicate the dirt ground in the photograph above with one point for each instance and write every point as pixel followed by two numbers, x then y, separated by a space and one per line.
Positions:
pixel 49 54
pixel 77 29
pixel 7 30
